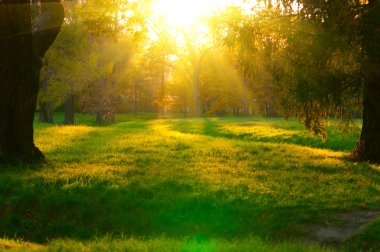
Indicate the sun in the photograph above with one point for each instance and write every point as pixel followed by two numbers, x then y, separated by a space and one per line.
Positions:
pixel 184 13
pixel 187 18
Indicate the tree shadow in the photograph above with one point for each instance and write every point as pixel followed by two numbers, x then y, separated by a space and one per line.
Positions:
pixel 293 135
pixel 40 212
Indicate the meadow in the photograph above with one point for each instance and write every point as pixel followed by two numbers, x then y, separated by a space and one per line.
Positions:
pixel 189 184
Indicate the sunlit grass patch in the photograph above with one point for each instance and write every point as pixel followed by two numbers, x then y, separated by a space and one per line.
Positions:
pixel 258 130
pixel 78 175
pixel 18 245
pixel 49 138
pixel 189 244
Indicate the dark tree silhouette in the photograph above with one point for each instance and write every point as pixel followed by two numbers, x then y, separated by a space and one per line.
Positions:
pixel 23 44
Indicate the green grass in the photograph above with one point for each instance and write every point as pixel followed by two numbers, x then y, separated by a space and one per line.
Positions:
pixel 208 184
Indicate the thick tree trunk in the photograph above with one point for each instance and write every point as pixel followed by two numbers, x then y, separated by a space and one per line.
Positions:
pixel 368 148
pixel 20 59
pixel 69 110
pixel 19 73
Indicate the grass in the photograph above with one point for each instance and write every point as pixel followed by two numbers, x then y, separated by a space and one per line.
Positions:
pixel 207 184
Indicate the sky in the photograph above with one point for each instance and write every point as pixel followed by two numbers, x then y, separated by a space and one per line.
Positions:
pixel 188 12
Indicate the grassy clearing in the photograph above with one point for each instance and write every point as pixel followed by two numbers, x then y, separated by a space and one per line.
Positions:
pixel 213 184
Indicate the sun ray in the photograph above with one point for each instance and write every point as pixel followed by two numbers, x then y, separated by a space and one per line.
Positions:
pixel 184 13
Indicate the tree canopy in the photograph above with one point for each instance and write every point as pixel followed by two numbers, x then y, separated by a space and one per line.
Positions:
pixel 312 59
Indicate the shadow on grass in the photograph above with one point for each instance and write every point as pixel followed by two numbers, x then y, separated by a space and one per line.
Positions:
pixel 213 127
pixel 39 212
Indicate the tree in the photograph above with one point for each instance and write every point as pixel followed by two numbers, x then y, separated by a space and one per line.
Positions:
pixel 116 27
pixel 323 53
pixel 222 86
pixel 62 74
pixel 66 66
pixel 106 77
pixel 368 147
pixel 21 49
pixel 46 110
pixel 158 63
pixel 88 62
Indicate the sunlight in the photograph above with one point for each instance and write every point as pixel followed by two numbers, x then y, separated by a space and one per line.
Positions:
pixel 61 136
pixel 184 13
pixel 189 16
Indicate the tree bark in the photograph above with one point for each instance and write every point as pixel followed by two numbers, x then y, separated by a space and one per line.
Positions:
pixel 19 77
pixel 69 110
pixel 99 117
pixel 101 110
pixel 368 148
pixel 46 112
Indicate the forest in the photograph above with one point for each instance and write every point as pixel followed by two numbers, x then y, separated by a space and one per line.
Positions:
pixel 132 58
pixel 158 125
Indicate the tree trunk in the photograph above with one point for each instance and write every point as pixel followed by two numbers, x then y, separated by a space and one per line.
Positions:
pixel 19 83
pixel 245 95
pixel 69 110
pixel 368 148
pixel 19 78
pixel 46 113
pixel 197 92
pixel 110 118
pixel 99 117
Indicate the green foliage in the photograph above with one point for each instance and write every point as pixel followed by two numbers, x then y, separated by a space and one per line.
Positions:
pixel 220 183
pixel 92 54
pixel 221 85
pixel 312 50
pixel 64 61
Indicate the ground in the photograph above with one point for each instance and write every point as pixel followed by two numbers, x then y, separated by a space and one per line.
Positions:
pixel 185 184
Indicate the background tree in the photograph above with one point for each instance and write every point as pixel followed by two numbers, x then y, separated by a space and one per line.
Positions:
pixel 106 78
pixel 322 54
pixel 87 65
pixel 67 67
pixel 221 84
